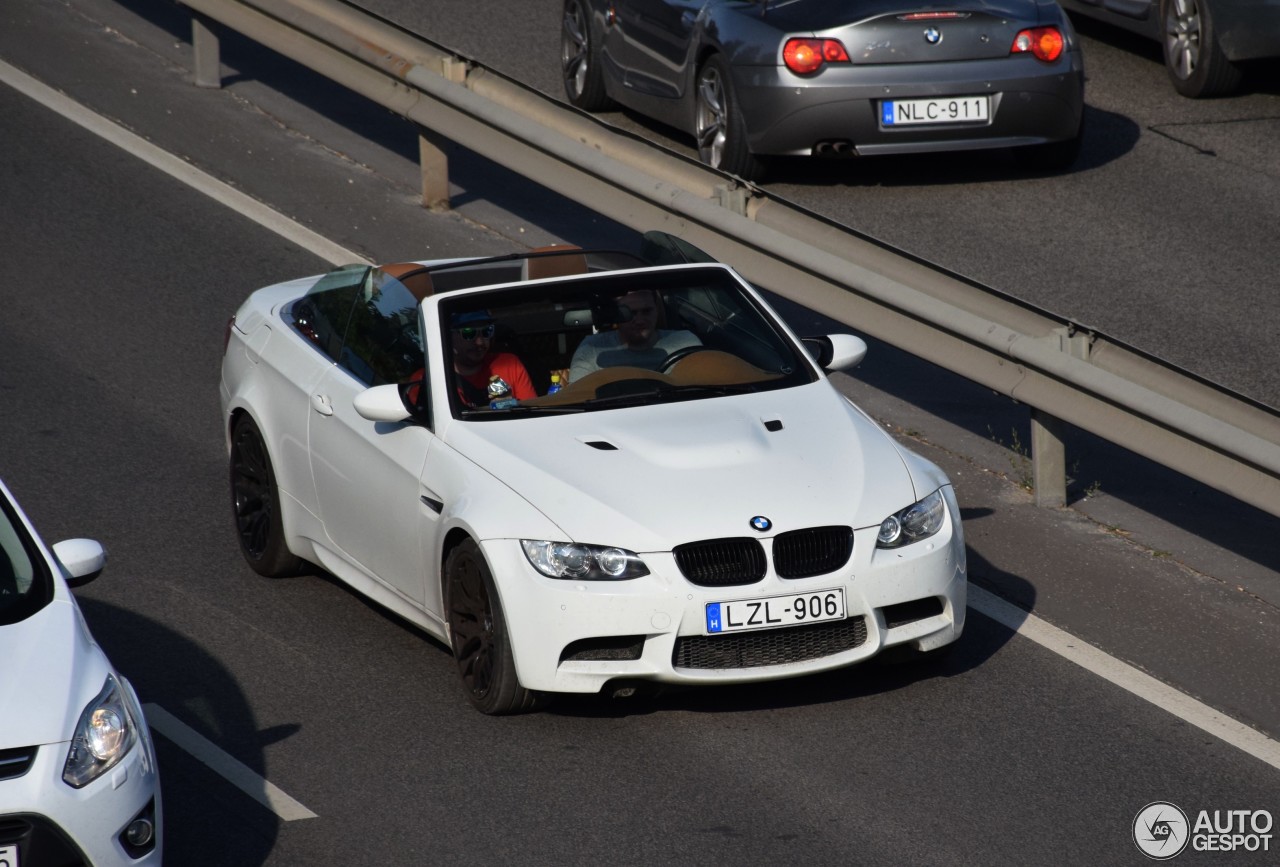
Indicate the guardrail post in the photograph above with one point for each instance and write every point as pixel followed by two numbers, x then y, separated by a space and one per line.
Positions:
pixel 208 54
pixel 1048 460
pixel 434 162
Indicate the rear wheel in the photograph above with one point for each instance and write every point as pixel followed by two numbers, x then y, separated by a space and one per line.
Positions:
pixel 718 124
pixel 580 59
pixel 1196 63
pixel 478 633
pixel 255 504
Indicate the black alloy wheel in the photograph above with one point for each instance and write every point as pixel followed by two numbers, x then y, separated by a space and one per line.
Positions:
pixel 1196 63
pixel 255 504
pixel 478 634
pixel 580 60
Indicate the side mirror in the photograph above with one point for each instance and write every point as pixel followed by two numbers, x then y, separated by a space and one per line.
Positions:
pixel 382 403
pixel 836 351
pixel 81 560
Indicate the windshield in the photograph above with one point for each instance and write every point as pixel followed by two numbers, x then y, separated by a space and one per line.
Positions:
pixel 25 585
pixel 613 340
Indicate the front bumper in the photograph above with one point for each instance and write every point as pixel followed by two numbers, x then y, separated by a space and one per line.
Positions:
pixel 573 636
pixel 1030 103
pixel 51 822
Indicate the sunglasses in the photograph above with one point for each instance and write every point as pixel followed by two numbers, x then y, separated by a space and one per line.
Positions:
pixel 471 332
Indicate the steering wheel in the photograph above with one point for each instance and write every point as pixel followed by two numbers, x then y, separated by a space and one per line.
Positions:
pixel 683 352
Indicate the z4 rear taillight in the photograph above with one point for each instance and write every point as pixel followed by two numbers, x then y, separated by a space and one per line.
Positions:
pixel 806 56
pixel 1046 43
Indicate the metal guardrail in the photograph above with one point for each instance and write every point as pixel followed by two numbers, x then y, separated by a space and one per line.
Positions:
pixel 1062 370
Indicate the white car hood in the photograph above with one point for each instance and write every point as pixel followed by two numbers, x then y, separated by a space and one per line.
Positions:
pixel 662 475
pixel 51 670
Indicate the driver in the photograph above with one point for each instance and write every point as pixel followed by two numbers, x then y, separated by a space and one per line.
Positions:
pixel 636 342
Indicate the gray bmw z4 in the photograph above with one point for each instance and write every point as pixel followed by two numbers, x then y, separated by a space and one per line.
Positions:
pixel 751 79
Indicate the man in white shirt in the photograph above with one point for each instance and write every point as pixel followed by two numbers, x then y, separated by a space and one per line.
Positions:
pixel 636 342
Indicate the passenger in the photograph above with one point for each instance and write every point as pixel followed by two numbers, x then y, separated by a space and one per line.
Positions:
pixel 475 362
pixel 636 342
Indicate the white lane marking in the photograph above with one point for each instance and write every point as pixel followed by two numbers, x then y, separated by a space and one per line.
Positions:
pixel 179 169
pixel 1125 676
pixel 238 774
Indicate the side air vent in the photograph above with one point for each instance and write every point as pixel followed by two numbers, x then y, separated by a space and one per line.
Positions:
pixel 612 647
pixel 15 763
pixel 602 445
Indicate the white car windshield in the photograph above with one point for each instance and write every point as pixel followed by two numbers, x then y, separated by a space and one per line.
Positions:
pixel 612 340
pixel 25 586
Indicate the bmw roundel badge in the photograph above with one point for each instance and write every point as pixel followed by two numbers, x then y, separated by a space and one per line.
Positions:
pixel 761 523
pixel 932 35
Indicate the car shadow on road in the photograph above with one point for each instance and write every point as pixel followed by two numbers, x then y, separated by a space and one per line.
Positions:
pixel 200 806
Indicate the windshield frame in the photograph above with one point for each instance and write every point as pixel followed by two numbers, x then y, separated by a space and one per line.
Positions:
pixel 16 537
pixel 766 335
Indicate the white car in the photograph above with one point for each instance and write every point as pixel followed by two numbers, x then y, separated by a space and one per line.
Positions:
pixel 78 778
pixel 696 505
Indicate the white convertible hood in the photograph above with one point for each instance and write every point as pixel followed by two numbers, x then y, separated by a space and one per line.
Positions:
pixel 649 478
pixel 50 672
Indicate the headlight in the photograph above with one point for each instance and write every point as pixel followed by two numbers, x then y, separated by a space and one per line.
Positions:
pixel 103 736
pixel 916 522
pixel 576 562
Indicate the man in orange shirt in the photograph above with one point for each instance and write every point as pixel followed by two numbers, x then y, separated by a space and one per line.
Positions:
pixel 475 362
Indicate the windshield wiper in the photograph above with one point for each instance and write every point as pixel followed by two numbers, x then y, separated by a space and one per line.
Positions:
pixel 488 413
pixel 662 393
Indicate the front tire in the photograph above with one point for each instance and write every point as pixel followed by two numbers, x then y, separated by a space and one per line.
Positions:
pixel 718 125
pixel 255 504
pixel 478 635
pixel 1196 63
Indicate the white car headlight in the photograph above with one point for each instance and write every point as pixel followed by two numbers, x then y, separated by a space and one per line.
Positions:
pixel 105 733
pixel 918 521
pixel 575 562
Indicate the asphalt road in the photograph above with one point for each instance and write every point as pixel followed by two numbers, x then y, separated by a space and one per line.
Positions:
pixel 120 282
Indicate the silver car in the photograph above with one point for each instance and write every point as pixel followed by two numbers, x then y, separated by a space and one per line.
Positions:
pixel 834 78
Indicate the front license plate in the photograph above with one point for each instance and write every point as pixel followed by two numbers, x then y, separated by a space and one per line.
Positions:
pixel 8 856
pixel 775 611
pixel 955 109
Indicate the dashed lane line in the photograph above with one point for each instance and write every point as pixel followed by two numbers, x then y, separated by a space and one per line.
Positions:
pixel 238 774
pixel 1125 676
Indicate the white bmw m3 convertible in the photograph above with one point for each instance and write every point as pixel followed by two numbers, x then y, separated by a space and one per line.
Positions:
pixel 582 469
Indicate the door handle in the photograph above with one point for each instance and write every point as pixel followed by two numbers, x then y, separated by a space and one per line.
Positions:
pixel 321 404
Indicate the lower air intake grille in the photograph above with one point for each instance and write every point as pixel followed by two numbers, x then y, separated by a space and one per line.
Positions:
pixel 721 562
pixel 769 646
pixel 815 551
pixel 909 612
